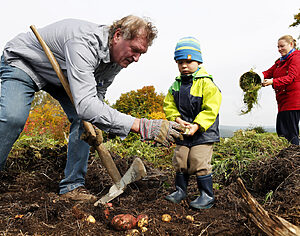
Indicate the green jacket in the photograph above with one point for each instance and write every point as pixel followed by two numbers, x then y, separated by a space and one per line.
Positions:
pixel 196 99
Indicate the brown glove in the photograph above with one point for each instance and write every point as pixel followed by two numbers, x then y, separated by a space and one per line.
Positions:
pixel 162 131
pixel 92 140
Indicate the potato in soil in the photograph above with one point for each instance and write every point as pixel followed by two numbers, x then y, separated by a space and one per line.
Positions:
pixel 123 222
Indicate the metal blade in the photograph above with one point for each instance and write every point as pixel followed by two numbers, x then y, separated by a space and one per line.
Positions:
pixel 136 171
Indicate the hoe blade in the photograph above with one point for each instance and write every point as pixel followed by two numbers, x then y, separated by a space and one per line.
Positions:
pixel 136 172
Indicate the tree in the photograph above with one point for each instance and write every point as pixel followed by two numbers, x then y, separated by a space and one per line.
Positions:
pixel 46 118
pixel 144 102
pixel 297 20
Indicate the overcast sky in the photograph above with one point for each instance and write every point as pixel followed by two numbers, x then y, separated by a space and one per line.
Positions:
pixel 235 36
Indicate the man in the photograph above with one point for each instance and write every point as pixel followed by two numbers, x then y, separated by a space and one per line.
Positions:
pixel 90 56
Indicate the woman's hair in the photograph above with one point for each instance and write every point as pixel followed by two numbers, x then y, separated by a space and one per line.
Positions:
pixel 288 39
pixel 131 26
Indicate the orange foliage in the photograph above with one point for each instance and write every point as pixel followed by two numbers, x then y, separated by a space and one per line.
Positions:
pixel 140 103
pixel 157 115
pixel 47 119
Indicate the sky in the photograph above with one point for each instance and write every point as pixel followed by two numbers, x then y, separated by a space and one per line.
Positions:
pixel 234 35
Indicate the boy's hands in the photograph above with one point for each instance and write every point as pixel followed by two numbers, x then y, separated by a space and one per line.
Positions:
pixel 190 129
pixel 182 122
pixel 162 131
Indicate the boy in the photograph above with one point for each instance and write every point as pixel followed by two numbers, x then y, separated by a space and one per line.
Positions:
pixel 193 101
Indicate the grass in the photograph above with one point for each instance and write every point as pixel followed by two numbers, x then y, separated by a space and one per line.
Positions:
pixel 234 154
pixel 230 154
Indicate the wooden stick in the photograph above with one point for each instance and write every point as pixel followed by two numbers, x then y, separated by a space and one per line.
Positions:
pixel 270 224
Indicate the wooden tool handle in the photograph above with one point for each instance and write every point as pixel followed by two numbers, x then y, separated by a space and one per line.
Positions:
pixel 105 156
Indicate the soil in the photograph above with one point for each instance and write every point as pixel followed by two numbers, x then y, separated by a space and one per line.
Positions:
pixel 30 204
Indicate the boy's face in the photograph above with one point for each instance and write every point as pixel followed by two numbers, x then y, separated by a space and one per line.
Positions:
pixel 187 66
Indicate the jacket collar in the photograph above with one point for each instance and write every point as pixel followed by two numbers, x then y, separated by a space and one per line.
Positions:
pixel 286 56
pixel 200 73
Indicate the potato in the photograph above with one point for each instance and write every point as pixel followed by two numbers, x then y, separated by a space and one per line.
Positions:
pixel 142 220
pixel 123 222
pixel 166 218
pixel 190 218
pixel 90 219
pixel 133 232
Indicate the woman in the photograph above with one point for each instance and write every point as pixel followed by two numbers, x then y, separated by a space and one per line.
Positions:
pixel 284 76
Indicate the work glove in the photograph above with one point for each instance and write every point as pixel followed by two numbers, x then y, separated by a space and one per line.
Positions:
pixel 162 131
pixel 92 140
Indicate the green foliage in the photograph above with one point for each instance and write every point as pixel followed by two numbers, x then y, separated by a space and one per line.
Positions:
pixel 160 156
pixel 234 154
pixel 296 23
pixel 257 129
pixel 269 196
pixel 140 103
pixel 35 144
pixel 297 20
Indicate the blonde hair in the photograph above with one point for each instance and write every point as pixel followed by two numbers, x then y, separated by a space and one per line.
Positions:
pixel 131 26
pixel 288 39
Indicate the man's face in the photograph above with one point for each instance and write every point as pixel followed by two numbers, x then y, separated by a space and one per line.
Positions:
pixel 124 52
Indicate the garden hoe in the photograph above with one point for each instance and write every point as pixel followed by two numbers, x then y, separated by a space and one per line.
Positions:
pixel 137 169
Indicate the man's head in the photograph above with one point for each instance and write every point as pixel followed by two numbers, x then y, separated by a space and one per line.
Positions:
pixel 129 38
pixel 188 55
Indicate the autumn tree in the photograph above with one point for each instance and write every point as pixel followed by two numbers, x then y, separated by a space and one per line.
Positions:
pixel 144 102
pixel 47 118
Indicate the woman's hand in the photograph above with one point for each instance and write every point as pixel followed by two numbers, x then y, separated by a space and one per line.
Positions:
pixel 267 82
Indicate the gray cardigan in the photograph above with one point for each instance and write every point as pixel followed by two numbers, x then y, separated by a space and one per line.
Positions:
pixel 82 51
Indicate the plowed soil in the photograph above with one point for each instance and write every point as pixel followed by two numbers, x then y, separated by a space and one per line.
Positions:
pixel 30 204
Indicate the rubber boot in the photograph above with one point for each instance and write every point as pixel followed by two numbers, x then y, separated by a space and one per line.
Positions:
pixel 181 182
pixel 206 199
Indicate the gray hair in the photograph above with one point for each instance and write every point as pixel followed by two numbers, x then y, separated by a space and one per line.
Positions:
pixel 132 26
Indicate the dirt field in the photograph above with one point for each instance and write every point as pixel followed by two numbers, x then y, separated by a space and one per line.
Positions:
pixel 30 205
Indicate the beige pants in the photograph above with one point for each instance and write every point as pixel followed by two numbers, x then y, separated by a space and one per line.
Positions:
pixel 193 160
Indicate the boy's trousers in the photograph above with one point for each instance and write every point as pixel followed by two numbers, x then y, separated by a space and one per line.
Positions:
pixel 193 160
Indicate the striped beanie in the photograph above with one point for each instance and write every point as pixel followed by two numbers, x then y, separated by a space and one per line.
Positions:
pixel 188 48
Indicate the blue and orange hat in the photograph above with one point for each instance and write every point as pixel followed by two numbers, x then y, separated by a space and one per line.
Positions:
pixel 188 48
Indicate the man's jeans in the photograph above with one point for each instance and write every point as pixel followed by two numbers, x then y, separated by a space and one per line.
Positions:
pixel 17 93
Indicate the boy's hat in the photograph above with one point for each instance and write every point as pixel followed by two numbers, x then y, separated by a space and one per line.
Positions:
pixel 188 48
